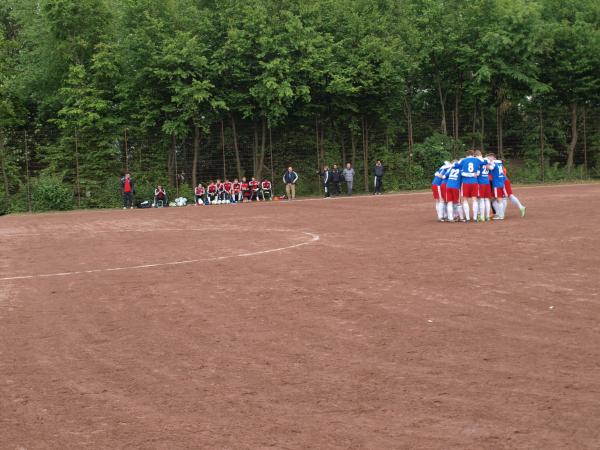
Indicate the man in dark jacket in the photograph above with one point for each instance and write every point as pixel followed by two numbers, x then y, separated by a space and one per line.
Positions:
pixel 127 191
pixel 326 176
pixel 336 178
pixel 378 171
pixel 289 179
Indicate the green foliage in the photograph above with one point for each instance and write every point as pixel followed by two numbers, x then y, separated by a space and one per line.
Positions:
pixel 433 151
pixel 4 205
pixel 49 194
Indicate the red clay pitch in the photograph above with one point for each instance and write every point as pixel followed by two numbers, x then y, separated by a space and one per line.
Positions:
pixel 234 327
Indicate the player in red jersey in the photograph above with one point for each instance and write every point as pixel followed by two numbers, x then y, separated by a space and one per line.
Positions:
pixel 237 191
pixel 227 191
pixel 220 191
pixel 254 189
pixel 212 193
pixel 245 190
pixel 199 193
pixel 266 189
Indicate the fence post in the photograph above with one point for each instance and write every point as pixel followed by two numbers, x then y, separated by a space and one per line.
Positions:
pixel 77 170
pixel 126 153
pixel 585 165
pixel 27 172
pixel 542 164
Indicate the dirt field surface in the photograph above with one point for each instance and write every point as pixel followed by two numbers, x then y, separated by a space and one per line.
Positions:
pixel 343 323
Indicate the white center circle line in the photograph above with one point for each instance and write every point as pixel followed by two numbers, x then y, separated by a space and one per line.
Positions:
pixel 313 238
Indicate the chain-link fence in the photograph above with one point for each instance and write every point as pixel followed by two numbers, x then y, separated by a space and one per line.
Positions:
pixel 83 167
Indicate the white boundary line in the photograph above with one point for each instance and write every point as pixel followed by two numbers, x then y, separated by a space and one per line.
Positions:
pixel 314 238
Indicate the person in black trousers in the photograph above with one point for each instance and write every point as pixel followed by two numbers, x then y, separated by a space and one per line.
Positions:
pixel 336 178
pixel 326 177
pixel 378 171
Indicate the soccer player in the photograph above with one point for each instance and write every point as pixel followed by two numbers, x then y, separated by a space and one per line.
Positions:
pixel 227 191
pixel 254 189
pixel 237 191
pixel 470 168
pixel 485 190
pixel 220 191
pixel 266 190
pixel 497 171
pixel 245 190
pixel 199 193
pixel 454 179
pixel 212 193
pixel 508 193
pixel 436 188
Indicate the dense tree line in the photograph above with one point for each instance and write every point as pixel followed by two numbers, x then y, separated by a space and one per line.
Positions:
pixel 89 87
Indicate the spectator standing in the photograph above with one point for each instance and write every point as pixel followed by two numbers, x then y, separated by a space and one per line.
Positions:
pixel 378 171
pixel 290 178
pixel 336 178
pixel 127 191
pixel 326 176
pixel 348 175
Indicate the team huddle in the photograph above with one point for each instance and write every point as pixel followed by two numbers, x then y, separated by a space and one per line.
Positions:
pixel 481 180
pixel 223 192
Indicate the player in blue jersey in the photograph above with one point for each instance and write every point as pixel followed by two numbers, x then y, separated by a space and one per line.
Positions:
pixel 454 179
pixel 470 168
pixel 485 190
pixel 438 193
pixel 497 171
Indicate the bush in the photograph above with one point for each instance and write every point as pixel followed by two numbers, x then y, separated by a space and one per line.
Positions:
pixel 49 193
pixel 433 151
pixel 3 205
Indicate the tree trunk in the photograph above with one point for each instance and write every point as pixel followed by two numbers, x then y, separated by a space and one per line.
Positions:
pixel 499 133
pixel 126 153
pixel 573 143
pixel 255 149
pixel 474 129
pixel 171 161
pixel 482 131
pixel 585 140
pixel 542 149
pixel 342 142
pixel 78 187
pixel 442 97
pixel 271 157
pixel 236 148
pixel 318 147
pixel 223 150
pixel 409 123
pixel 261 158
pixel 322 143
pixel 196 150
pixel 365 145
pixel 27 172
pixel 353 145
pixel 456 116
pixel 3 166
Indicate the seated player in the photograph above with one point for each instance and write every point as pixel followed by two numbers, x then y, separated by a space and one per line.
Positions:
pixel 246 190
pixel 453 183
pixel 160 195
pixel 212 193
pixel 497 171
pixel 436 188
pixel 199 194
pixel 266 190
pixel 254 189
pixel 509 193
pixel 227 191
pixel 237 191
pixel 220 191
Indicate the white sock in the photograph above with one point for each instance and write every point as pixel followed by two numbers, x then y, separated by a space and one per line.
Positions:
pixel 475 208
pixel 450 211
pixel 488 208
pixel 466 208
pixel 482 207
pixel 499 209
pixel 503 205
pixel 444 210
pixel 516 201
pixel 439 210
pixel 461 212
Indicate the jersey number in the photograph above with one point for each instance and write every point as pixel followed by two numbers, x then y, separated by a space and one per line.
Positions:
pixel 471 168
pixel 454 174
